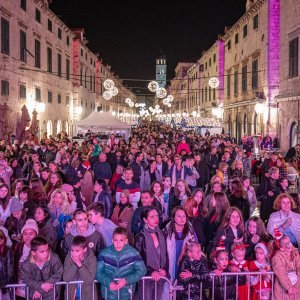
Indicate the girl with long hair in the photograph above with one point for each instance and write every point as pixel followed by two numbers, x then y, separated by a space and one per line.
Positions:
pixel 46 229
pixel 38 192
pixel 60 211
pixel 177 231
pixel 255 232
pixel 238 198
pixel 168 194
pixel 15 187
pixel 157 191
pixel 36 171
pixel 232 229
pixel 53 183
pixel 181 191
pixel 217 208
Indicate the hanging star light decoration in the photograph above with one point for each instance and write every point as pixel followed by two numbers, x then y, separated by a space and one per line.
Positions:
pixel 110 89
pixel 108 84
pixel 107 95
pixel 161 93
pixel 153 86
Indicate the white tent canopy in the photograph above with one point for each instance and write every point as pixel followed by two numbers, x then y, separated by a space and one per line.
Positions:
pixel 103 121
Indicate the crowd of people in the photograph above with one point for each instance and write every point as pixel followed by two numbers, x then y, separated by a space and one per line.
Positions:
pixel 168 203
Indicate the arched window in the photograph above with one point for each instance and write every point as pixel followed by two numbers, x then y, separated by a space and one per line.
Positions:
pixel 58 127
pixel 255 124
pixel 245 124
pixel 49 128
pixel 293 134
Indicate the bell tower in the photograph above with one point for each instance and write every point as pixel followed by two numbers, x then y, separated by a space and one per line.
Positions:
pixel 161 70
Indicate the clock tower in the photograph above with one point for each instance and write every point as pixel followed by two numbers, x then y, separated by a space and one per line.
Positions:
pixel 161 70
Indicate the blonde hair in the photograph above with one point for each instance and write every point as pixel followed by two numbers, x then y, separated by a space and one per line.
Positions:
pixel 65 205
pixel 188 246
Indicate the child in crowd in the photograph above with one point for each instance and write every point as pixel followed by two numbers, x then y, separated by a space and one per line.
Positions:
pixel 224 287
pixel 193 270
pixel 22 250
pixel 41 270
pixel 117 278
pixel 260 264
pixel 80 265
pixel 239 264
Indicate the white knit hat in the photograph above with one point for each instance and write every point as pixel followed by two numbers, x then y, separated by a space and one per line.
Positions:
pixel 263 247
pixel 30 224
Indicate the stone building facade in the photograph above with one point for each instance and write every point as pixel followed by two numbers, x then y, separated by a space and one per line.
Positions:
pixel 48 72
pixel 35 64
pixel 289 96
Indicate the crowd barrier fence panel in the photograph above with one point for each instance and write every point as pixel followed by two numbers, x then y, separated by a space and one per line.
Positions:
pixel 173 289
pixel 237 274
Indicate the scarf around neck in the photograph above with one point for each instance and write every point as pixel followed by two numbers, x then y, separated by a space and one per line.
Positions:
pixel 153 260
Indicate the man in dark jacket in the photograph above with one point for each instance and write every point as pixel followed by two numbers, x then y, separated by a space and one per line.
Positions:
pixel 102 169
pixel 102 196
pixel 137 166
pixel 202 169
pixel 267 192
pixel 212 161
pixel 117 159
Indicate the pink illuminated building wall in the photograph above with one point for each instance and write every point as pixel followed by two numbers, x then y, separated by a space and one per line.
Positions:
pixel 221 48
pixel 273 55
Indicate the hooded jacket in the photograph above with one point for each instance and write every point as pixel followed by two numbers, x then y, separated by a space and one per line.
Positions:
pixel 94 239
pixel 113 264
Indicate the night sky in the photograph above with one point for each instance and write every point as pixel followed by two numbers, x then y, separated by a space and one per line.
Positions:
pixel 129 35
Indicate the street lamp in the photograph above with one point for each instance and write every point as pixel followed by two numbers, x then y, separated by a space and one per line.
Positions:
pixel 260 107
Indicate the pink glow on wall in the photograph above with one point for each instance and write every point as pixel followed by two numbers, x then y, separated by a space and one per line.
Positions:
pixel 221 70
pixel 199 85
pixel 273 54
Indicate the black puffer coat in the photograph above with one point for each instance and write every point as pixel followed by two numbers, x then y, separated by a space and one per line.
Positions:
pixel 200 274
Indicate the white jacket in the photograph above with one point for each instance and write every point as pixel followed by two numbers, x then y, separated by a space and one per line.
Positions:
pixel 277 219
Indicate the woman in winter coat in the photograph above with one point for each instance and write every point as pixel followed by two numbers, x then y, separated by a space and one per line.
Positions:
pixel 217 208
pixel 6 267
pixel 286 266
pixel 16 221
pixel 238 198
pixel 177 232
pixel 46 229
pixel 151 245
pixel 123 211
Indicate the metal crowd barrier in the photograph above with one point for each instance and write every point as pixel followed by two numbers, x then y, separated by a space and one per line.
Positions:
pixel 172 289
pixel 211 289
pixel 66 285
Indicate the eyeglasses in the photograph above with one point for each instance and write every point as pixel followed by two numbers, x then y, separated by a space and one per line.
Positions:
pixel 4 191
pixel 286 244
